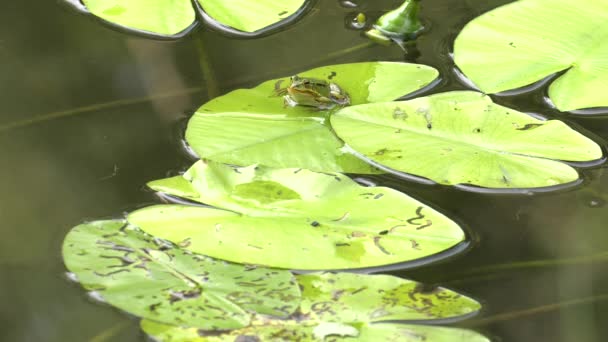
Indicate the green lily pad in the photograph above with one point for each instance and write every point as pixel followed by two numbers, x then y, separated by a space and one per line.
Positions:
pixel 249 126
pixel 366 332
pixel 525 41
pixel 351 298
pixel 295 218
pixel 462 137
pixel 173 17
pixel 345 306
pixel 144 276
pixel 165 17
pixel 250 16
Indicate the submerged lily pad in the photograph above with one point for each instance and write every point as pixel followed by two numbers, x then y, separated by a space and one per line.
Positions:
pixel 527 40
pixel 249 126
pixel 347 305
pixel 148 278
pixel 172 18
pixel 462 137
pixel 295 218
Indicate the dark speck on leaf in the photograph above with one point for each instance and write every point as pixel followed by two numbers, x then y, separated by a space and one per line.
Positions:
pixel 378 196
pixel 477 130
pixel 512 44
pixel 384 232
pixel 332 75
pixel 315 224
pixel 283 13
pixel 529 127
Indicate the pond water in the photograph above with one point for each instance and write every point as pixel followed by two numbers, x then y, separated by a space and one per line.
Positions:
pixel 91 114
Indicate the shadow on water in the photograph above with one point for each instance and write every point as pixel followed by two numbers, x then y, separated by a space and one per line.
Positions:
pixel 89 115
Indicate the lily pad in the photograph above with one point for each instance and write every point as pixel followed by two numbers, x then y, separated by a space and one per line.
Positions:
pixel 345 306
pixel 173 18
pixel 295 218
pixel 301 333
pixel 249 126
pixel 351 298
pixel 525 41
pixel 164 17
pixel 250 16
pixel 149 278
pixel 462 137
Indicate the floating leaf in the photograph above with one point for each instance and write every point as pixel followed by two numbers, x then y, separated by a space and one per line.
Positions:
pixel 146 277
pixel 463 138
pixel 346 305
pixel 525 41
pixel 295 218
pixel 367 332
pixel 250 16
pixel 172 18
pixel 249 126
pixel 351 298
pixel 165 17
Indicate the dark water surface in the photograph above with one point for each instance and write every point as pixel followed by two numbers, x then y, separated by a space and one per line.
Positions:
pixel 89 115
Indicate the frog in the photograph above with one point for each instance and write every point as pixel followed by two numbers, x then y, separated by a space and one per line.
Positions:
pixel 312 92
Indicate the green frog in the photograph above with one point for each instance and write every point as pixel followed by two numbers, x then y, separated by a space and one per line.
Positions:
pixel 312 92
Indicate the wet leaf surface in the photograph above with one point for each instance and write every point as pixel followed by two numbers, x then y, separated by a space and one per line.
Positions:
pixel 462 137
pixel 150 278
pixel 525 41
pixel 344 307
pixel 248 126
pixel 295 218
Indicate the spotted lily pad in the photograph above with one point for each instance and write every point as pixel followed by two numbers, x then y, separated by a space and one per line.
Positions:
pixel 248 126
pixel 150 278
pixel 302 333
pixel 527 40
pixel 349 306
pixel 295 218
pixel 462 137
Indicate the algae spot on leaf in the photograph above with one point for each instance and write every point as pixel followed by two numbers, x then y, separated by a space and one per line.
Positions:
pixel 523 42
pixel 249 126
pixel 327 222
pixel 150 278
pixel 462 137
